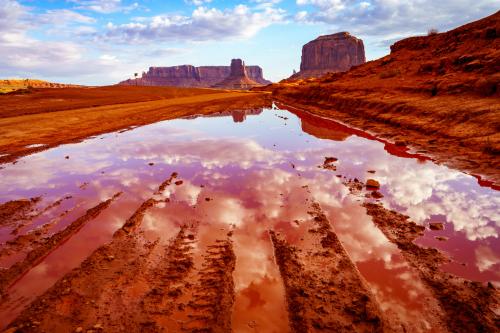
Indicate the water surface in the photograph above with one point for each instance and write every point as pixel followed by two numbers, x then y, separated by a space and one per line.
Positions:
pixel 251 172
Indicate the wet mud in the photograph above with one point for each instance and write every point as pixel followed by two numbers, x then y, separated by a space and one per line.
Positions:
pixel 325 291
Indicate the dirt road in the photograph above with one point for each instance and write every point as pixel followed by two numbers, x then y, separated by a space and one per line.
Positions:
pixel 87 112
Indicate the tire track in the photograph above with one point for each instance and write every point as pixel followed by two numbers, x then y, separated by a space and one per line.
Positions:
pixel 325 291
pixel 138 285
pixel 99 292
pixel 213 294
pixel 48 244
pixel 469 306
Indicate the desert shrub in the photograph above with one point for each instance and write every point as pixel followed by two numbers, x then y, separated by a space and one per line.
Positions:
pixel 432 32
pixel 389 73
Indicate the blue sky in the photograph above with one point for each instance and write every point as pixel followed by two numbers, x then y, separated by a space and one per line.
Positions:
pixel 100 42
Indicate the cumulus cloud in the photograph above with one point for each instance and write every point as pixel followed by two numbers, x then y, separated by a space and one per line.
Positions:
pixel 26 56
pixel 394 17
pixel 204 24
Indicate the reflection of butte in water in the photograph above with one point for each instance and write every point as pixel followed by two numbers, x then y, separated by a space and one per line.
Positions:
pixel 322 128
pixel 239 116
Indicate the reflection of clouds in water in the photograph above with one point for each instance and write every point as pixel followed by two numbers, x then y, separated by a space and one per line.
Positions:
pixel 486 258
pixel 471 214
pixel 186 192
pixel 40 170
pixel 210 153
pixel 422 189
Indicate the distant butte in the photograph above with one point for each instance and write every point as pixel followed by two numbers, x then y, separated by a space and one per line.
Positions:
pixel 238 78
pixel 191 76
pixel 330 53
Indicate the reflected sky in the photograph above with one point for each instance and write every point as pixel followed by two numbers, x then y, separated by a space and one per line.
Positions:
pixel 249 173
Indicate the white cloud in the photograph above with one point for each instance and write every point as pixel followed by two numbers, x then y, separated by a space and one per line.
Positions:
pixel 204 24
pixel 63 17
pixel 104 6
pixel 197 2
pixel 25 56
pixel 396 17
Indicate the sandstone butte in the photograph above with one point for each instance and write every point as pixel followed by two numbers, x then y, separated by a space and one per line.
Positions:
pixel 238 77
pixel 438 93
pixel 330 53
pixel 191 76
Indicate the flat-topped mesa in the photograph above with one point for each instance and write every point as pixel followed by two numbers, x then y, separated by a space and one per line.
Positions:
pixel 191 76
pixel 238 78
pixel 331 53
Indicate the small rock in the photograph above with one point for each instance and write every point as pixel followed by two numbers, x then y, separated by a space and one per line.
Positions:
pixel 329 160
pixel 441 238
pixel 111 258
pixel 79 329
pixel 66 157
pixel 207 199
pixel 179 182
pixel 371 171
pixel 151 164
pixel 98 326
pixel 190 237
pixel 372 183
pixel 436 226
pixel 377 195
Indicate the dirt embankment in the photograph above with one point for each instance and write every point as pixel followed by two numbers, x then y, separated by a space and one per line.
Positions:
pixel 84 112
pixel 438 93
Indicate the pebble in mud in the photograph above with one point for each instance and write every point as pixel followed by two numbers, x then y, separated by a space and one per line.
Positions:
pixel 179 182
pixel 372 183
pixel 436 226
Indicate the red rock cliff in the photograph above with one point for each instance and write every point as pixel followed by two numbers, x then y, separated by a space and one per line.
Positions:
pixel 331 53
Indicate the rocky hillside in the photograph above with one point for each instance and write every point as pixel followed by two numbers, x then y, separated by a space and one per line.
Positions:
pixel 330 53
pixel 438 93
pixel 191 76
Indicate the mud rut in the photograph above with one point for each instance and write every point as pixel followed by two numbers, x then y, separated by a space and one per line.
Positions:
pixel 136 284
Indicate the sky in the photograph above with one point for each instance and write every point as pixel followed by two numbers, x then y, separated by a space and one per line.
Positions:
pixel 99 42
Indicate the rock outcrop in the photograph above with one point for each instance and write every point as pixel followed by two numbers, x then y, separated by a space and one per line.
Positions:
pixel 238 77
pixel 331 53
pixel 191 76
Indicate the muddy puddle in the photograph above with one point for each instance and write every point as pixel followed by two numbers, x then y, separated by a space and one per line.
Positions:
pixel 234 221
